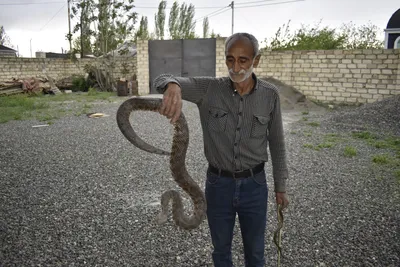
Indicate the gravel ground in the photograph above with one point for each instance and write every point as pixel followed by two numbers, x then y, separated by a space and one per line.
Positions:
pixel 77 193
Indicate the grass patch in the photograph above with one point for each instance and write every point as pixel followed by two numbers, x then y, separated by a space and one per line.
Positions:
pixel 46 107
pixel 381 159
pixel 391 142
pixel 319 146
pixel 305 119
pixel 305 113
pixel 325 145
pixel 308 146
pixel 350 151
pixel 314 124
pixel 333 138
pixel 364 135
pixel 397 175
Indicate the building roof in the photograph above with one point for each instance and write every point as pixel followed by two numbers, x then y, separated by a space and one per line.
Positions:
pixel 5 48
pixel 394 21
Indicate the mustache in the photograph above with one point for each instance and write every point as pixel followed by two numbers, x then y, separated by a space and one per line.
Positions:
pixel 242 71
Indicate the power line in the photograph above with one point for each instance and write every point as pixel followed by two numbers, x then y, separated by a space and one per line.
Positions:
pixel 213 13
pixel 53 17
pixel 271 4
pixel 223 11
pixel 202 7
pixel 254 2
pixel 39 3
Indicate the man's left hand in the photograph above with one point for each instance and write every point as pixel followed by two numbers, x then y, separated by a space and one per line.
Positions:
pixel 281 198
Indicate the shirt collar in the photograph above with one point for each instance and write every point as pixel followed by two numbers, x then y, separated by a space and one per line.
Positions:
pixel 256 84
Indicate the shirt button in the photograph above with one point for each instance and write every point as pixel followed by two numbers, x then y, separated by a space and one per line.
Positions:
pixel 240 113
pixel 235 144
pixel 238 128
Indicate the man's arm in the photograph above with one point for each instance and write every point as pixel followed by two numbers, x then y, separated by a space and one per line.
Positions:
pixel 193 88
pixel 177 88
pixel 278 152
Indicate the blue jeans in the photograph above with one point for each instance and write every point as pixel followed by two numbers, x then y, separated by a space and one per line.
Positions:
pixel 248 198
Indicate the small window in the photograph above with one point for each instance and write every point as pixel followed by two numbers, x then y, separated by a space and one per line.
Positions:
pixel 397 43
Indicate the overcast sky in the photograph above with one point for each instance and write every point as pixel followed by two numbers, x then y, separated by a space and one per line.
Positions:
pixel 45 25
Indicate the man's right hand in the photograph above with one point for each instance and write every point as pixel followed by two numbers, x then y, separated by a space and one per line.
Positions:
pixel 172 102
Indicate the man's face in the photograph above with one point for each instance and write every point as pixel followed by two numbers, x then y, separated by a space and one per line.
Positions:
pixel 240 60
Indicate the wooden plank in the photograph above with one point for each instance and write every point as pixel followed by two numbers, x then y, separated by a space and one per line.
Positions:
pixel 14 85
pixel 12 91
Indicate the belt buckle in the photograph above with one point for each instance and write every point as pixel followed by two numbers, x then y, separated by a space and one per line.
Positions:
pixel 234 174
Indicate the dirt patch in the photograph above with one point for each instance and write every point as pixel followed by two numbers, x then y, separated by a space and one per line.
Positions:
pixel 291 98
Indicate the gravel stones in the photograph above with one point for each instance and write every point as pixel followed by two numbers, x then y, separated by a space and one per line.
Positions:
pixel 77 193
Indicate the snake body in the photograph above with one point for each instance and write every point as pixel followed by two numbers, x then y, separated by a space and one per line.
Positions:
pixel 177 163
pixel 278 233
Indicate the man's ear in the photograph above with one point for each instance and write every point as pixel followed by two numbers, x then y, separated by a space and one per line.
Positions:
pixel 256 61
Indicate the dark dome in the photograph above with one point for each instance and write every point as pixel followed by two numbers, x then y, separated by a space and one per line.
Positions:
pixel 394 21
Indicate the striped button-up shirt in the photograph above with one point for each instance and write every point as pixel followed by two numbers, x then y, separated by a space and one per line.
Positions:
pixel 237 130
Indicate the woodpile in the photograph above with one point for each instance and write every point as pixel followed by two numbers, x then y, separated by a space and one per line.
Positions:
pixel 28 85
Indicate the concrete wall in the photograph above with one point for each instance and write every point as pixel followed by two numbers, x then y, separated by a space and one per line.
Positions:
pixel 58 68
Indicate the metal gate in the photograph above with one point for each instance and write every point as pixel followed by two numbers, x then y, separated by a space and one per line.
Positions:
pixel 187 57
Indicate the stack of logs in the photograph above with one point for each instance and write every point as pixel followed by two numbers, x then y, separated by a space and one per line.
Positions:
pixel 28 85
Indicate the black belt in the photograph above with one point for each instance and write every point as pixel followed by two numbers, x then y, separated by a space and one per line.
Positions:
pixel 238 174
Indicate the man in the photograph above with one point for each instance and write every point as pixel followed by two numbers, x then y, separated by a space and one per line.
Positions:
pixel 240 117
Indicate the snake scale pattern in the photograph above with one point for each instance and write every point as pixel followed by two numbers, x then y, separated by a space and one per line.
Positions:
pixel 177 164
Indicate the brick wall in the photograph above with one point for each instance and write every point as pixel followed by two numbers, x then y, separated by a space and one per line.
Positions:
pixel 58 68
pixel 143 68
pixel 220 70
pixel 350 76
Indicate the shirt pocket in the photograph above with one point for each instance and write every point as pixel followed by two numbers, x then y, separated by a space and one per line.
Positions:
pixel 217 119
pixel 259 126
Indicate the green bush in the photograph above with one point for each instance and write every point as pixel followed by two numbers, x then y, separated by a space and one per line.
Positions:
pixel 79 84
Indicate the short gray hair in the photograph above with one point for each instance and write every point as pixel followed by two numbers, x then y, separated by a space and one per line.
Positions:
pixel 241 35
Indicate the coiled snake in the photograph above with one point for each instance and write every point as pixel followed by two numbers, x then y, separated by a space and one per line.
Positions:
pixel 177 163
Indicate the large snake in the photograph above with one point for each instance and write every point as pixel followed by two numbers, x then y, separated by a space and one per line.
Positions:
pixel 177 163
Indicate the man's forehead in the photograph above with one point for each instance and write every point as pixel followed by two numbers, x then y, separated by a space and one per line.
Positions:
pixel 241 42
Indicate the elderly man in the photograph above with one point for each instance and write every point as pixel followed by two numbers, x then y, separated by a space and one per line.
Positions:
pixel 240 116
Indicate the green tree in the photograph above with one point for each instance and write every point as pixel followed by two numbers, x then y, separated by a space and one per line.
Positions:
pixel 159 19
pixel 214 35
pixel 206 27
pixel 115 24
pixel 103 23
pixel 143 31
pixel 362 37
pixel 77 46
pixel 306 38
pixel 325 38
pixel 173 22
pixel 82 11
pixel 181 21
pixel 4 38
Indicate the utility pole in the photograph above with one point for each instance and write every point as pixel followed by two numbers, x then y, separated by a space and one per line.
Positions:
pixel 232 5
pixel 82 32
pixel 69 27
